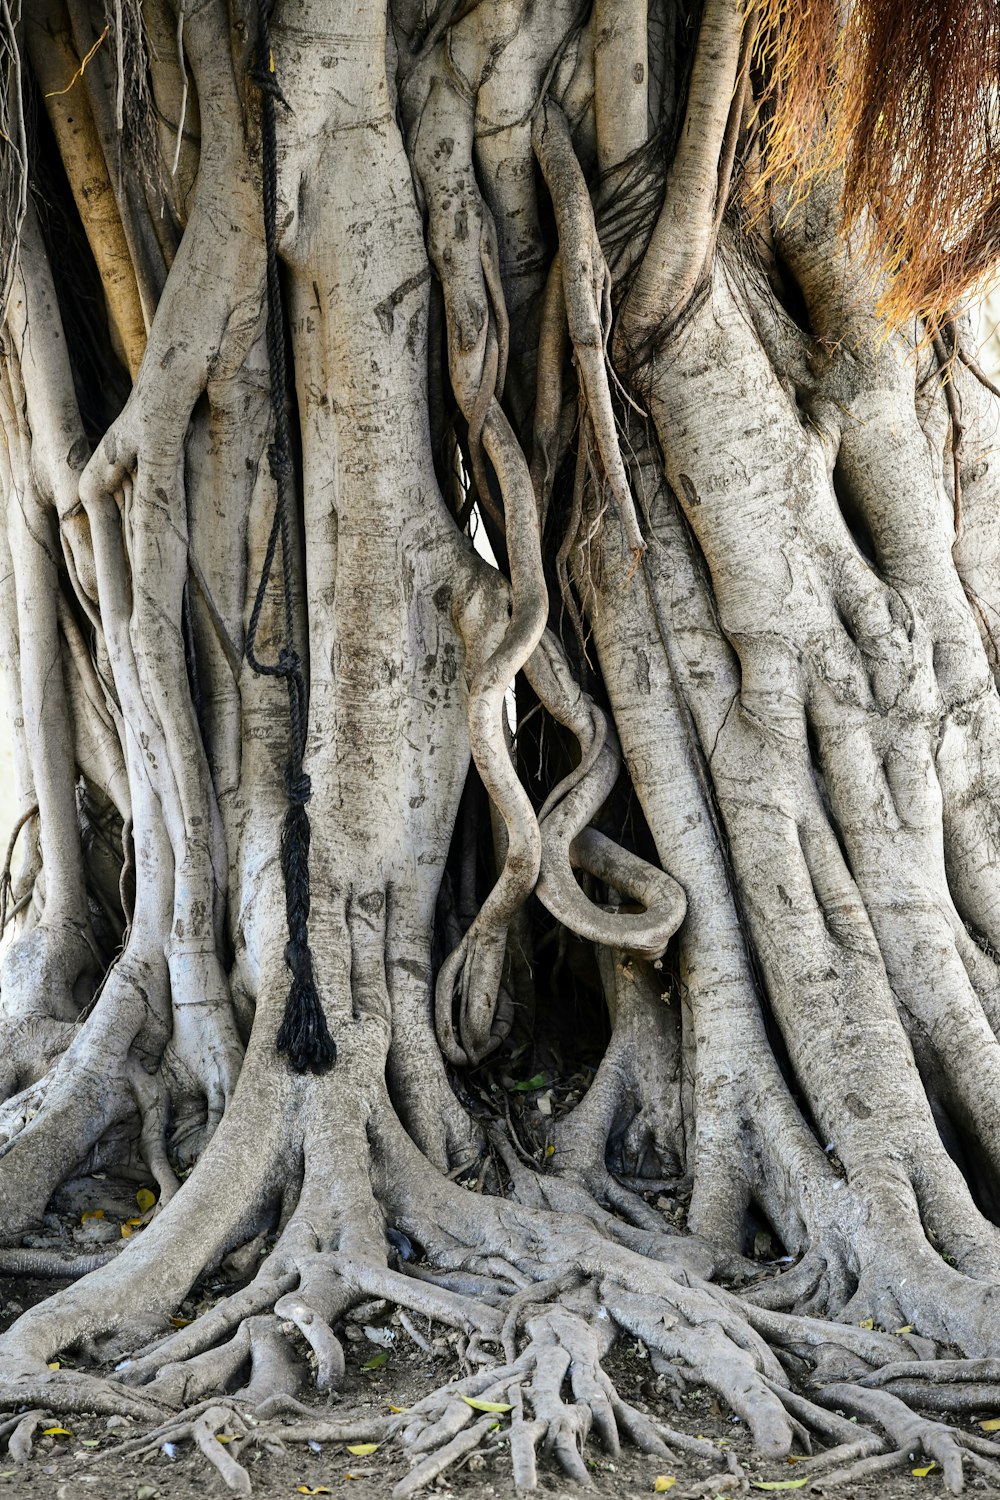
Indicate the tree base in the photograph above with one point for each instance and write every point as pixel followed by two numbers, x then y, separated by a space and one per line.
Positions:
pixel 548 1333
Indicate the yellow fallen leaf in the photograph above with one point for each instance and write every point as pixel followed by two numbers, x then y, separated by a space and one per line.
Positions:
pixel 56 1432
pixel 319 1489
pixel 923 1473
pixel 180 1322
pixel 145 1199
pixel 663 1482
pixel 225 1437
pixel 398 1409
pixel 126 1231
pixel 550 1151
pixel 478 1405
pixel 778 1484
pixel 91 1213
pixel 867 1323
pixel 992 1424
pixel 55 1365
pixel 361 1450
pixel 906 1328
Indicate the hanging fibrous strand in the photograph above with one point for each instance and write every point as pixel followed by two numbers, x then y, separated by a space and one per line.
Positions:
pixel 901 103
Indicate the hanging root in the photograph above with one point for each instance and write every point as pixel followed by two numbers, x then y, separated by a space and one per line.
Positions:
pixel 586 285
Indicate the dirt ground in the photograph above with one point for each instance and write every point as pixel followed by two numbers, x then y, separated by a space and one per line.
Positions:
pixel 80 1463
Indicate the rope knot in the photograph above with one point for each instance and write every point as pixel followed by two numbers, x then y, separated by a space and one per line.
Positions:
pixel 289 661
pixel 279 463
pixel 267 82
pixel 298 786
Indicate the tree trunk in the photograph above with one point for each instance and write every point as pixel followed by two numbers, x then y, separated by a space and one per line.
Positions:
pixel 299 304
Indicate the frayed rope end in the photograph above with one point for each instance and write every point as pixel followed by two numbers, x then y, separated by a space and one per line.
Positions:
pixel 304 1037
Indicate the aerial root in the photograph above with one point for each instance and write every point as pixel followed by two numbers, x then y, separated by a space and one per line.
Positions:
pixel 232 1420
pixel 838 1351
pixel 429 1468
pixel 962 1396
pixel 203 1431
pixel 586 284
pixel 184 1382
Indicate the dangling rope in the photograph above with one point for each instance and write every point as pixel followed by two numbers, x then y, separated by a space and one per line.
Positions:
pixel 304 1036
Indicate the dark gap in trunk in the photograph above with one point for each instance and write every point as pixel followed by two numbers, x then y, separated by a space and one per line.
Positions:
pixel 854 519
pixel 816 762
pixel 761 1241
pixel 784 284
pixel 101 383
pixel 966 1152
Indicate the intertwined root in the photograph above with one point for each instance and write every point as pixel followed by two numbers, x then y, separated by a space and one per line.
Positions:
pixel 533 1338
pixel 546 1400
pixel 536 1287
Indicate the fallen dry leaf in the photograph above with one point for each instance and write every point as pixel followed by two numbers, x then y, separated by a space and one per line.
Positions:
pixel 478 1405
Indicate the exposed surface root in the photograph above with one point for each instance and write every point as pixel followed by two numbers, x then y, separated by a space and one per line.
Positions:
pixel 909 1436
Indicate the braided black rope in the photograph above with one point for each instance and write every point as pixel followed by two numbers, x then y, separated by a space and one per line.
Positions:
pixel 304 1036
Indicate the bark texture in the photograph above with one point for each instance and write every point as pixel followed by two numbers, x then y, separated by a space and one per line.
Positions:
pixel 733 838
